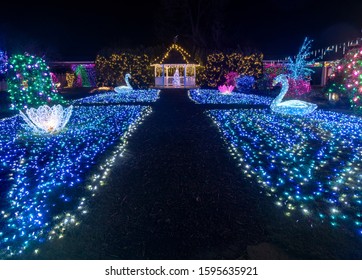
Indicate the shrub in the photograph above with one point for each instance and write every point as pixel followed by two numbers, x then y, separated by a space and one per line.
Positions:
pixel 245 83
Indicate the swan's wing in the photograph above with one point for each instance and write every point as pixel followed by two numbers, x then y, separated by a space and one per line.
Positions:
pixel 295 104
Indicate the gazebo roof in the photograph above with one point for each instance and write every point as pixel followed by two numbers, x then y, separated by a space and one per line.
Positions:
pixel 176 55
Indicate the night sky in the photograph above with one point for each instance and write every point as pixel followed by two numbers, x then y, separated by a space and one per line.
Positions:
pixel 78 32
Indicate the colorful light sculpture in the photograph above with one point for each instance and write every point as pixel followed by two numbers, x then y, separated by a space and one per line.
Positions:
pixel 176 79
pixel 47 119
pixel 224 89
pixel 291 107
pixel 82 76
pixel 125 88
pixel 298 67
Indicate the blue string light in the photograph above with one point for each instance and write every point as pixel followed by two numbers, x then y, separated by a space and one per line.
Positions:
pixel 210 96
pixel 46 180
pixel 308 164
pixel 150 95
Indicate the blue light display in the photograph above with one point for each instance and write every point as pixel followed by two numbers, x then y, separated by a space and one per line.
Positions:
pixel 139 95
pixel 209 96
pixel 290 107
pixel 47 180
pixel 298 67
pixel 310 165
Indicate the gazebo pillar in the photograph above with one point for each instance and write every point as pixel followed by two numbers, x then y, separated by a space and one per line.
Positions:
pixel 163 75
pixel 185 66
pixel 166 76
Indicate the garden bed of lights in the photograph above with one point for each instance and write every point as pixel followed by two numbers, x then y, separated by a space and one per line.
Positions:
pixel 212 96
pixel 111 97
pixel 310 165
pixel 47 180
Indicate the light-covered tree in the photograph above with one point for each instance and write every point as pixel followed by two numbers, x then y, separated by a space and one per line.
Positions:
pixel 298 67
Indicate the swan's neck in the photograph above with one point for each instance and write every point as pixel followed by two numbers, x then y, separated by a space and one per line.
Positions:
pixel 283 91
pixel 127 82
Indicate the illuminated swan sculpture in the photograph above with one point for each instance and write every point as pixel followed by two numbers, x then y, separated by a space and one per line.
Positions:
pixel 124 88
pixel 291 107
pixel 47 119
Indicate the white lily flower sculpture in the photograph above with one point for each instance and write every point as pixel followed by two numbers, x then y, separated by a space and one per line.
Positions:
pixel 47 119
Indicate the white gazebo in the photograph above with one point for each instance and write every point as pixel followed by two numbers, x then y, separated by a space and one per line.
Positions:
pixel 176 58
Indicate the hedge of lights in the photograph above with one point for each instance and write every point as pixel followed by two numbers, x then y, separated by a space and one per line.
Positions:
pixel 218 65
pixel 112 70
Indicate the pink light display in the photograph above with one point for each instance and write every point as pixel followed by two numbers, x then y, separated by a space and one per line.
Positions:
pixel 231 78
pixel 298 87
pixel 224 89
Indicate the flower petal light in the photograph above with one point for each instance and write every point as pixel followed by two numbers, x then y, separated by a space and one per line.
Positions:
pixel 224 89
pixel 47 119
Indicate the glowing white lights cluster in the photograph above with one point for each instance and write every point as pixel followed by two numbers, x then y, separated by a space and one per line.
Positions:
pixel 139 95
pixel 210 96
pixel 46 181
pixel 311 165
pixel 47 119
pixel 290 107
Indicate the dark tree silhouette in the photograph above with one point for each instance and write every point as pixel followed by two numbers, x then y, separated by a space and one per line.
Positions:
pixel 201 22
